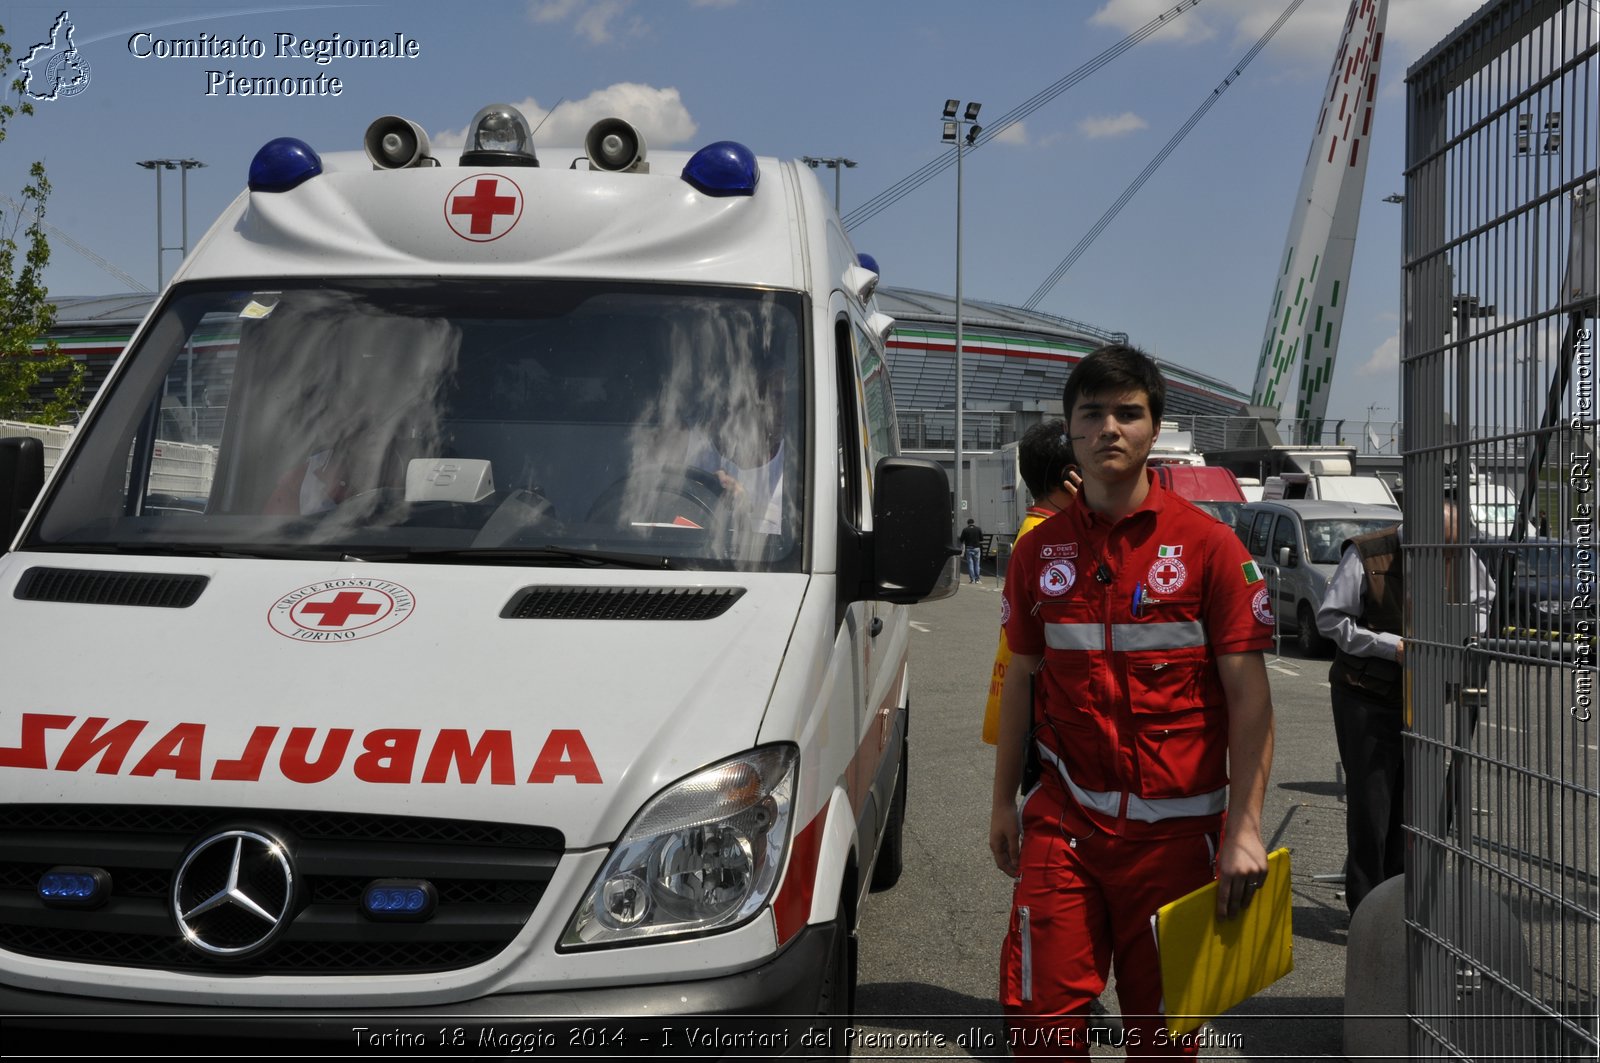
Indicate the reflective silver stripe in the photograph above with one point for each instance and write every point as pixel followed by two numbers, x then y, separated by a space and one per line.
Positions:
pixel 1144 809
pixel 1173 635
pixel 1075 636
pixel 1156 934
pixel 1106 803
pixel 1026 989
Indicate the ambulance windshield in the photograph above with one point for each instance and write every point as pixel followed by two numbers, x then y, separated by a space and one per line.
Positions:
pixel 439 420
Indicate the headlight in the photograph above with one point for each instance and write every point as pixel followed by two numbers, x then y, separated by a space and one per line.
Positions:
pixel 1551 606
pixel 704 854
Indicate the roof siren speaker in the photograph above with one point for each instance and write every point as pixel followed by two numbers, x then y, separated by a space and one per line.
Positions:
pixel 613 144
pixel 395 143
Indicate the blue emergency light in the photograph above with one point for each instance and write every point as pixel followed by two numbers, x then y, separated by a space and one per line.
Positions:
pixel 394 900
pixel 283 164
pixel 74 887
pixel 868 262
pixel 726 168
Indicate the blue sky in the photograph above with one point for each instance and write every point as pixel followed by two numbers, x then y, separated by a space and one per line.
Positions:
pixel 1187 268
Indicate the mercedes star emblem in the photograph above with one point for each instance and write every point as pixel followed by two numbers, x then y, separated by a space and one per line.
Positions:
pixel 233 893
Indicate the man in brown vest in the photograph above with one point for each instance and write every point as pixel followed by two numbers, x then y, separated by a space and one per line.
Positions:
pixel 1363 613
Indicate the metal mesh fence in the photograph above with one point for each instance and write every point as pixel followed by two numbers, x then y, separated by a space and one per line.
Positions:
pixel 1498 404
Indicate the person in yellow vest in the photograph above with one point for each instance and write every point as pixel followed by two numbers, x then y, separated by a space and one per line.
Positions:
pixel 1044 458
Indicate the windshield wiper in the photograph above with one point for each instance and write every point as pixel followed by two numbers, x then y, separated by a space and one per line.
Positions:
pixel 200 550
pixel 509 554
pixel 321 552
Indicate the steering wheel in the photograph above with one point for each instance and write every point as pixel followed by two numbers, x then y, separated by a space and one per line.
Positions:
pixel 668 493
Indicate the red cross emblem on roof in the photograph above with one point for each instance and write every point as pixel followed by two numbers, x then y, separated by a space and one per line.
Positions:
pixel 483 207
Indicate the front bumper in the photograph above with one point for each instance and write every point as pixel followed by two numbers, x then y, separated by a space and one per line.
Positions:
pixel 763 1011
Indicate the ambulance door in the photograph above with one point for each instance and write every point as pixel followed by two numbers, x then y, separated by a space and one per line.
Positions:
pixel 888 651
pixel 869 625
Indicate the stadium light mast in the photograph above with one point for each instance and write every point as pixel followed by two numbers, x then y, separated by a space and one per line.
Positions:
pixel 952 134
pixel 838 164
pixel 184 165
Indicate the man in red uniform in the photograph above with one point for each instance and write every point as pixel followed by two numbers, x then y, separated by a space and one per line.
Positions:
pixel 1141 623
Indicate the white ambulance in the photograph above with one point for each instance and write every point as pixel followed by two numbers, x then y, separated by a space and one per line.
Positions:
pixel 530 649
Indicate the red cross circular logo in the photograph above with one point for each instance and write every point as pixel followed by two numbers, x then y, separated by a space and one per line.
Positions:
pixel 1261 606
pixel 1167 575
pixel 340 610
pixel 483 207
pixel 1057 578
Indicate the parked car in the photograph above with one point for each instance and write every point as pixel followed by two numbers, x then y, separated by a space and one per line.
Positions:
pixel 1297 543
pixel 1544 584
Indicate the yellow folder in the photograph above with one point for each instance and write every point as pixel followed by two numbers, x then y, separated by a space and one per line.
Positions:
pixel 1208 966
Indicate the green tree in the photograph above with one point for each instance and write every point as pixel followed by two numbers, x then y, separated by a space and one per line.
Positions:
pixel 26 313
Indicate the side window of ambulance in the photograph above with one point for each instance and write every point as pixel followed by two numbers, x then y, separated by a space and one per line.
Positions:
pixel 855 498
pixel 883 434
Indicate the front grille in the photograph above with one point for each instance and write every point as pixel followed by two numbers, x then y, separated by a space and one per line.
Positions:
pixel 489 878
pixel 81 586
pixel 620 603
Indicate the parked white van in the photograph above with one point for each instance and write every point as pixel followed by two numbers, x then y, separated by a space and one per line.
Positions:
pixel 1338 486
pixel 534 646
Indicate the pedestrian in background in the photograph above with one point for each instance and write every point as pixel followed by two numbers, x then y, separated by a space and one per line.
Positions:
pixel 972 548
pixel 1138 627
pixel 1044 460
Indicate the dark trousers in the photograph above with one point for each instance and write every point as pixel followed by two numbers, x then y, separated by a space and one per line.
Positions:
pixel 1373 754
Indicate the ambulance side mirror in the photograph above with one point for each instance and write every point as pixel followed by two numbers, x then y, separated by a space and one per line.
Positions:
pixel 913 559
pixel 21 479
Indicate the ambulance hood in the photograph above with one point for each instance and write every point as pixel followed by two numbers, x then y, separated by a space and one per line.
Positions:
pixel 382 688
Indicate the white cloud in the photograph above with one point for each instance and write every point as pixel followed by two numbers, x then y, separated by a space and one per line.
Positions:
pixel 1016 134
pixel 600 21
pixel 1113 125
pixel 659 114
pixel 1385 361
pixel 1311 33
pixel 1129 15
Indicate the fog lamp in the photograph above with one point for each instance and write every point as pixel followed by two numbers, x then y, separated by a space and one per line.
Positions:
pixel 393 900
pixel 74 887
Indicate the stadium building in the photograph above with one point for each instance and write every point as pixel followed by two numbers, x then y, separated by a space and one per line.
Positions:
pixel 1015 364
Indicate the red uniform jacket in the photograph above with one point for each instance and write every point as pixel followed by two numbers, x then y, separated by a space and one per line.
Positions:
pixel 1130 619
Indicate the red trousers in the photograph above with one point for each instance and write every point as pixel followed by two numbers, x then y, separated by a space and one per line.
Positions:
pixel 1082 903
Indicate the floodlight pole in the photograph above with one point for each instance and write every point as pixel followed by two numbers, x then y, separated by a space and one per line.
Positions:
pixel 837 163
pixel 183 165
pixel 952 126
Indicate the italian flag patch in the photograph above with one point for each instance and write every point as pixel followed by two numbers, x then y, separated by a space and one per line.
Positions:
pixel 1252 574
pixel 1170 551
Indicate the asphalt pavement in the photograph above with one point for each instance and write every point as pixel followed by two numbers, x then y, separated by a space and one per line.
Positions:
pixel 930 947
